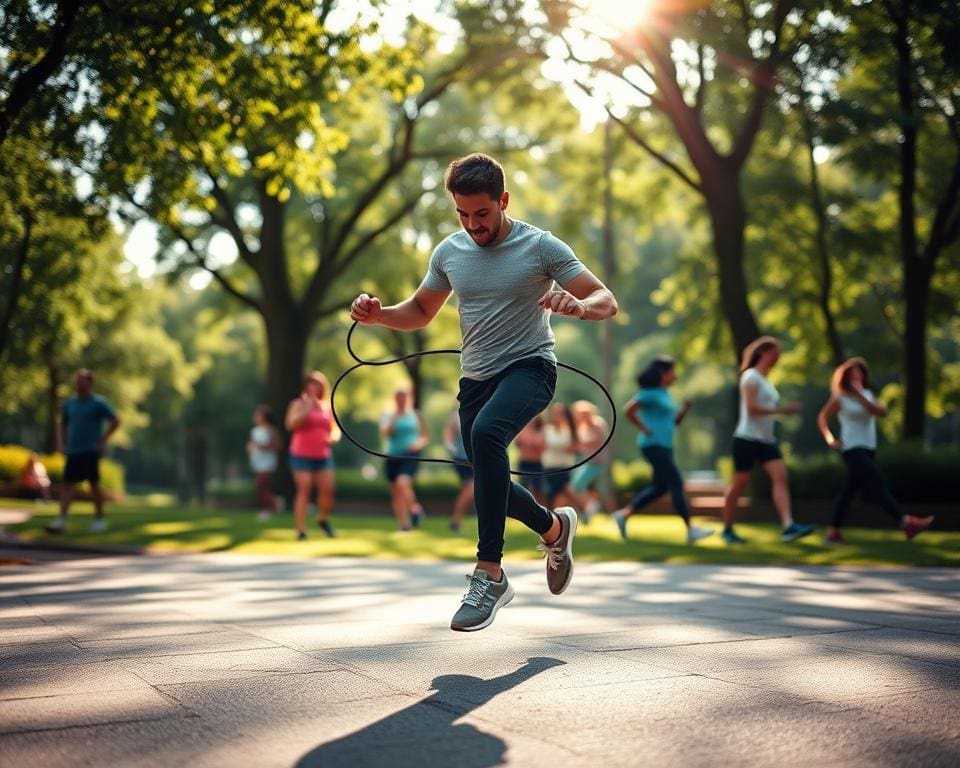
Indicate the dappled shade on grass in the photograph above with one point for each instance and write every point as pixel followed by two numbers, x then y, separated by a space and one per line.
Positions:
pixel 654 538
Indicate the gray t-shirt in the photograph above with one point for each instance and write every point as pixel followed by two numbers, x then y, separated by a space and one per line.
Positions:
pixel 497 290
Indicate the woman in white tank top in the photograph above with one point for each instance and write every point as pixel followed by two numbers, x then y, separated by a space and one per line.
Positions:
pixel 754 441
pixel 855 407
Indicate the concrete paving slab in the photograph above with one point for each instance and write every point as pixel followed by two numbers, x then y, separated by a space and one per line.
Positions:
pixel 226 665
pixel 230 660
pixel 54 713
pixel 223 640
pixel 24 681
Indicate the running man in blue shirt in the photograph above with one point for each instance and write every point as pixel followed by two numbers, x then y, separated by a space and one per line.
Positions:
pixel 84 440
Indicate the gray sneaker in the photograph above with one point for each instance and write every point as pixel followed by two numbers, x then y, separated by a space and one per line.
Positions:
pixel 560 554
pixel 483 599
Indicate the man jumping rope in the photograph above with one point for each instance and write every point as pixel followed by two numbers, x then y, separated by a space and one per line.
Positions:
pixel 504 273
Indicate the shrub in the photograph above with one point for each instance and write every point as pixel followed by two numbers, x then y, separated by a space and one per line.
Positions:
pixel 629 477
pixel 914 474
pixel 13 458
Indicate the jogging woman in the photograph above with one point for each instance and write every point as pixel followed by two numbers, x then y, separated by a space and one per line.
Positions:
pixel 754 441
pixel 655 414
pixel 855 407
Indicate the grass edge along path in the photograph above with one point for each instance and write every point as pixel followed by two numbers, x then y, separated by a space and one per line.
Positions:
pixel 145 523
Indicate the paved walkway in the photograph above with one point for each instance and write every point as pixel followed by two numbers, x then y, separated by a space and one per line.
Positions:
pixel 225 660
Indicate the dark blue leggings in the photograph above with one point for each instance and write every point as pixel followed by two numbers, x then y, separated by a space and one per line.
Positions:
pixel 492 412
pixel 863 475
pixel 666 478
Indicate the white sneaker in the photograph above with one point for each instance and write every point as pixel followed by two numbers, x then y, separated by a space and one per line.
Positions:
pixel 695 533
pixel 263 515
pixel 99 525
pixel 57 525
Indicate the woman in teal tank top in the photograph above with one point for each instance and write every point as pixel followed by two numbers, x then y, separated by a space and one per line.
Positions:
pixel 406 435
pixel 659 418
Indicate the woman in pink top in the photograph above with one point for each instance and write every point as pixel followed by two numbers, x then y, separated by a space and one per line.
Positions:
pixel 310 421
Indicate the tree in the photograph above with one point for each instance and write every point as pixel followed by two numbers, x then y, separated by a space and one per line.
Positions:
pixel 37 38
pixel 707 73
pixel 273 109
pixel 895 118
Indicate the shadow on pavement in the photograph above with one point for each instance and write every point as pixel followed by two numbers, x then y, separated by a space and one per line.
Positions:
pixel 398 740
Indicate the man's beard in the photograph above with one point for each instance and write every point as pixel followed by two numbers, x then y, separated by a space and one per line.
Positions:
pixel 491 237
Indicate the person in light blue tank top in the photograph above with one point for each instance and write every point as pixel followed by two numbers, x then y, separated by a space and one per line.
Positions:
pixel 405 433
pixel 654 413
pixel 510 278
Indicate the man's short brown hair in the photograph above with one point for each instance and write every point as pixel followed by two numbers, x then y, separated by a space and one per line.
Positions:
pixel 475 174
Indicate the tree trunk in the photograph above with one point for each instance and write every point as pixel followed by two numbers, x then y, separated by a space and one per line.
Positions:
pixel 916 291
pixel 823 250
pixel 916 286
pixel 609 264
pixel 52 439
pixel 728 219
pixel 287 335
pixel 16 280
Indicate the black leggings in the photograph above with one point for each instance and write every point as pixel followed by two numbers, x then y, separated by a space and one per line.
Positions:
pixel 666 477
pixel 492 412
pixel 864 475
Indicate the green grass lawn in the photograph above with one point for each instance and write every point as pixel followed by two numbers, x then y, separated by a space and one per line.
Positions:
pixel 157 524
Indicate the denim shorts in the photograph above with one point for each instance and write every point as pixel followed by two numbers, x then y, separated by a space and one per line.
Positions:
pixel 556 483
pixel 585 475
pixel 305 464
pixel 406 465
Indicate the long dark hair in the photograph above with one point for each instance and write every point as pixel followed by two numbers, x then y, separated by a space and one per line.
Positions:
pixel 652 375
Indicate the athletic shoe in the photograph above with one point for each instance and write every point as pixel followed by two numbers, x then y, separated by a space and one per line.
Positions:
pixel 796 531
pixel 454 526
pixel 836 538
pixel 484 597
pixel 263 515
pixel 301 535
pixel 416 517
pixel 621 520
pixel 912 525
pixel 560 554
pixel 57 525
pixel 695 534
pixel 99 525
pixel 730 537
pixel 326 527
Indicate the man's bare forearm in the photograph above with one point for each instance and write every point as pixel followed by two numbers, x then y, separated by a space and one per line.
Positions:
pixel 408 315
pixel 600 305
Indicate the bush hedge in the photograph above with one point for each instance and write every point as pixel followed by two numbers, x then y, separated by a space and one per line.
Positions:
pixel 914 474
pixel 13 458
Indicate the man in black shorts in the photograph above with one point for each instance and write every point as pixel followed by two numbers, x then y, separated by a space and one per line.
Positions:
pixel 83 439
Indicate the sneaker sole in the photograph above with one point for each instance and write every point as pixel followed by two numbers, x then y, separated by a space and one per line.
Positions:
pixel 621 528
pixel 505 598
pixel 794 536
pixel 571 514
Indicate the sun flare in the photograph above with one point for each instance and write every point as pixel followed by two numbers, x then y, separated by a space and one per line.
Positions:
pixel 617 16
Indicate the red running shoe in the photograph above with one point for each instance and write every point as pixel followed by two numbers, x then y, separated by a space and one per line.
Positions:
pixel 836 538
pixel 912 525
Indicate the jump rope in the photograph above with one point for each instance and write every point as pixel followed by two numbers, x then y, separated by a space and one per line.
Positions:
pixel 456 462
